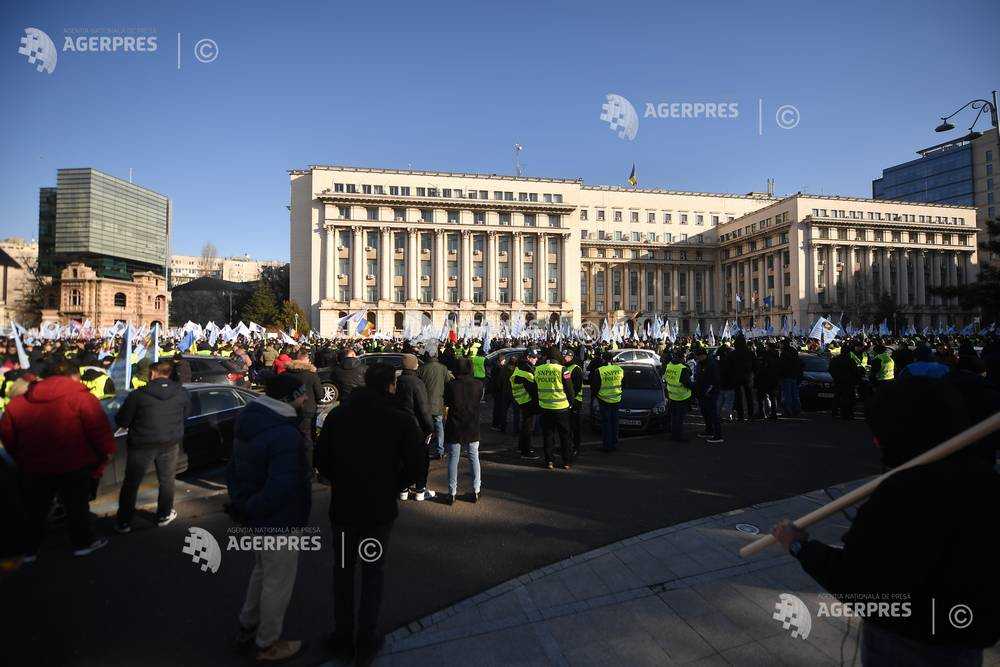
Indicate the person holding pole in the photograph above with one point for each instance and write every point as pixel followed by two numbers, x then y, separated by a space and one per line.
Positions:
pixel 919 537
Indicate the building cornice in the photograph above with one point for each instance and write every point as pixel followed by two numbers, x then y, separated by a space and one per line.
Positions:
pixel 361 199
pixel 418 172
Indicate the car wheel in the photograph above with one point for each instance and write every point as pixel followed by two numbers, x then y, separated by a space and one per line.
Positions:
pixel 330 393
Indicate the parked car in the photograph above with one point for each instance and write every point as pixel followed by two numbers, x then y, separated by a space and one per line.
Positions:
pixel 331 392
pixel 208 430
pixel 816 387
pixel 492 359
pixel 643 406
pixel 631 355
pixel 214 370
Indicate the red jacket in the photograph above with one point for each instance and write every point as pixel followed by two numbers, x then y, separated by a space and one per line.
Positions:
pixel 281 363
pixel 57 426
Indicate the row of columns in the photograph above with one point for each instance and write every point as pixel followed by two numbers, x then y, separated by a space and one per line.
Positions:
pixel 744 286
pixel 864 264
pixel 660 271
pixel 439 259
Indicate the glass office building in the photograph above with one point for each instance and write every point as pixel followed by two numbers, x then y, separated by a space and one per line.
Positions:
pixel 942 175
pixel 114 226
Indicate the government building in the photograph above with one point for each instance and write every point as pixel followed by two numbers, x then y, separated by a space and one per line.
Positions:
pixel 468 247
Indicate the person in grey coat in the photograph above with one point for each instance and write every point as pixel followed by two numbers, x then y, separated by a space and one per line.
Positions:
pixel 435 376
pixel 411 397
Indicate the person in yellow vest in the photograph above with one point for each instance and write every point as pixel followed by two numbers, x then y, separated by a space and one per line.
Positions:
pixel 554 392
pixel 606 385
pixel 525 393
pixel 98 382
pixel 677 377
pixel 883 368
pixel 479 365
pixel 574 373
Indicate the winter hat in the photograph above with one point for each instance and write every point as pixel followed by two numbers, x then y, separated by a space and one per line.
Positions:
pixel 409 362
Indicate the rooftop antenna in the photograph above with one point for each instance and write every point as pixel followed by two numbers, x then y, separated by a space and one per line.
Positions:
pixel 770 187
pixel 518 168
pixel 130 174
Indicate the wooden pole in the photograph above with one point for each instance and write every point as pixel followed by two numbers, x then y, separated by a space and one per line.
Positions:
pixel 948 447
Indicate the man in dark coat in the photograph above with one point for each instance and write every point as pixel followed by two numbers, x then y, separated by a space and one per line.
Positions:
pixel 946 576
pixel 305 372
pixel 154 416
pixel 706 388
pixel 269 490
pixel 435 376
pixel 462 402
pixel 369 449
pixel 846 375
pixel 349 374
pixel 411 394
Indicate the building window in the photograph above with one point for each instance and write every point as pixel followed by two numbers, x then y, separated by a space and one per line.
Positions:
pixel 120 300
pixel 600 215
pixel 426 215
pixel 453 217
pixel 76 298
pixel 529 219
pixel 398 294
pixel 505 219
pixel 583 214
pixel 479 217
pixel 618 216
pixel 372 213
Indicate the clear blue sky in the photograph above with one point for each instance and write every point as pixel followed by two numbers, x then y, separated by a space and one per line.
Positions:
pixel 451 86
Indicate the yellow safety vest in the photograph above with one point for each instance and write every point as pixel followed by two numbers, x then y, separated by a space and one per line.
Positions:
pixel 611 383
pixel 888 369
pixel 568 370
pixel 520 394
pixel 672 376
pixel 96 386
pixel 136 382
pixel 551 395
pixel 479 367
pixel 863 361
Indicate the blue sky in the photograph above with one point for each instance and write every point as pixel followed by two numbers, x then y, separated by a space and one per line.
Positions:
pixel 452 86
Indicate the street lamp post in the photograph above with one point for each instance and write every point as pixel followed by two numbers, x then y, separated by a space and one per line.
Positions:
pixel 980 106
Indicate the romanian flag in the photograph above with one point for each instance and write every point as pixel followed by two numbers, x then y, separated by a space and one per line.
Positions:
pixel 632 180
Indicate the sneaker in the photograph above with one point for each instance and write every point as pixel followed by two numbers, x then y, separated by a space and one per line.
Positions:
pixel 244 639
pixel 123 528
pixel 475 497
pixel 566 466
pixel 94 546
pixel 436 457
pixel 404 495
pixel 714 440
pixel 280 651
pixel 550 465
pixel 704 435
pixel 164 521
pixel 531 456
pixel 423 493
pixel 449 499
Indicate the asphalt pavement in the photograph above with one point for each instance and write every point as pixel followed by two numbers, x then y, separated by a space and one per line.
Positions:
pixel 141 600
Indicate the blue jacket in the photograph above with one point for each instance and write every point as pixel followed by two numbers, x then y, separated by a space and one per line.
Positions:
pixel 268 474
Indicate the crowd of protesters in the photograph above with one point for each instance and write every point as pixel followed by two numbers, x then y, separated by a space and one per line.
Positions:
pixel 58 440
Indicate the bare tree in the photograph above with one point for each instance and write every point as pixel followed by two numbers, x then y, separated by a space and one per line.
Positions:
pixel 209 259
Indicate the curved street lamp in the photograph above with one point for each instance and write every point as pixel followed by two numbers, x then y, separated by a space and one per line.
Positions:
pixel 978 105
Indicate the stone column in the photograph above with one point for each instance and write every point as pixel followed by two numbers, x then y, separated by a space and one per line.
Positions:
pixel 608 286
pixel 849 274
pixel 564 264
pixel 690 290
pixel 440 262
pixel 675 298
pixel 901 278
pixel 357 263
pixel 541 269
pixel 466 265
pixel 517 268
pixel 658 288
pixel 492 266
pixel 385 264
pixel 918 278
pixel 412 265
pixel 812 286
pixel 329 263
pixel 831 275
pixel 884 269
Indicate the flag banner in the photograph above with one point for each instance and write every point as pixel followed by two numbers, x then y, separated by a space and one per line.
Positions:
pixel 824 331
pixel 121 369
pixel 22 356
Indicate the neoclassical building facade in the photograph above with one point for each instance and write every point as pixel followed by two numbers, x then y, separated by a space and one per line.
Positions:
pixel 468 247
pixel 80 294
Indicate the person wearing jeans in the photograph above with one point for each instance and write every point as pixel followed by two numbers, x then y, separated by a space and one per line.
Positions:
pixel 438 440
pixel 154 416
pixel 606 386
pixel 462 405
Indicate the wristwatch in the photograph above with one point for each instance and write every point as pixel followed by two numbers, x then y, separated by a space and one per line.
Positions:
pixel 794 548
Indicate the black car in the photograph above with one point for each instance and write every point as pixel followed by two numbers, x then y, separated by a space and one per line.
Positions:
pixel 816 387
pixel 331 392
pixel 214 370
pixel 493 358
pixel 643 406
pixel 208 431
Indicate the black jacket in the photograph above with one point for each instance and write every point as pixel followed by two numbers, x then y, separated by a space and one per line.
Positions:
pixel 462 399
pixel 790 366
pixel 707 380
pixel 924 533
pixel 348 375
pixel 369 449
pixel 154 414
pixel 306 373
pixel 411 393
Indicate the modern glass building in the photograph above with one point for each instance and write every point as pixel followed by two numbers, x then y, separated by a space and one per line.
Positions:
pixel 114 226
pixel 942 174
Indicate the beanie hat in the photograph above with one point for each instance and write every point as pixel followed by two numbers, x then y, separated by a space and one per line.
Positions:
pixel 410 362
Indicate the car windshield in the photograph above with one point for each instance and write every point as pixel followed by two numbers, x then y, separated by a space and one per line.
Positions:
pixel 816 364
pixel 643 377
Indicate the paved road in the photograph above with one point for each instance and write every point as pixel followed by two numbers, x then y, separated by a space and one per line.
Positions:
pixel 141 598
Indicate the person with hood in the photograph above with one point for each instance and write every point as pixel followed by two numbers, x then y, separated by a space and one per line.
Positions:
pixel 154 416
pixel 462 401
pixel 349 373
pixel 269 491
pixel 61 440
pixel 369 449
pixel 300 367
pixel 435 376
pixel 888 555
pixel 412 397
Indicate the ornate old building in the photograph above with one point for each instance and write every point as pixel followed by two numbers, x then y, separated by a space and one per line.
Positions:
pixel 80 294
pixel 468 247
